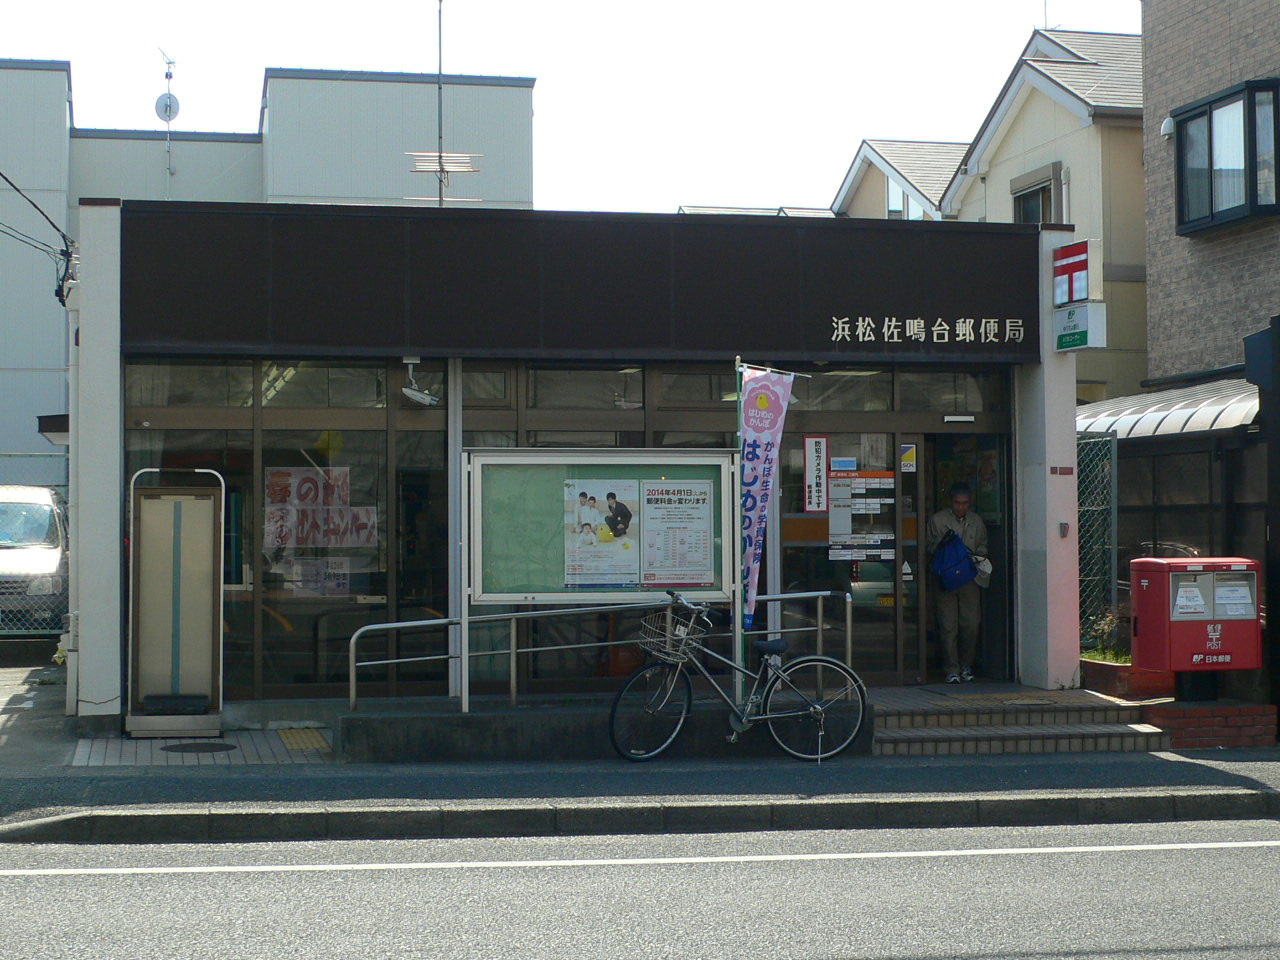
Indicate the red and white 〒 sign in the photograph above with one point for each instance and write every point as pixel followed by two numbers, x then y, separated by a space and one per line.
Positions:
pixel 1071 282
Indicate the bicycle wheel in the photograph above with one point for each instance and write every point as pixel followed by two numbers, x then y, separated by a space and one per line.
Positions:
pixel 649 711
pixel 827 704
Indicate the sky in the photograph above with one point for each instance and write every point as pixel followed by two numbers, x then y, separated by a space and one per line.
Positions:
pixel 637 106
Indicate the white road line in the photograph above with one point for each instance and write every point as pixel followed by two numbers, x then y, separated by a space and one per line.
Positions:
pixel 629 862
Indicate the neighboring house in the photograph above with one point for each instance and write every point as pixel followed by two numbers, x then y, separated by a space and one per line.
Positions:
pixel 1063 144
pixel 898 179
pixel 323 136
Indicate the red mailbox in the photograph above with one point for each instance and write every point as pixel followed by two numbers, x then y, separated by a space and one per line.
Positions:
pixel 1195 613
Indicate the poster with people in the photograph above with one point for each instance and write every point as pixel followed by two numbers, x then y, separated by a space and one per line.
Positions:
pixel 601 532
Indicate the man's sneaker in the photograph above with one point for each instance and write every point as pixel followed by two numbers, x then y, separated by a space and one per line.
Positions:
pixel 966 675
pixel 953 678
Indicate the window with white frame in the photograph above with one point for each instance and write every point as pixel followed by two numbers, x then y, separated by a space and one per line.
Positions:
pixel 901 205
pixel 1226 156
pixel 1037 196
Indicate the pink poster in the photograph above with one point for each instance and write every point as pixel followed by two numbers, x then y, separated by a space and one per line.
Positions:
pixel 311 508
pixel 764 396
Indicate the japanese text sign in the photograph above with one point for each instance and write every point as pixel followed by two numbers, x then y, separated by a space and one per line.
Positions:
pixel 763 400
pixel 815 474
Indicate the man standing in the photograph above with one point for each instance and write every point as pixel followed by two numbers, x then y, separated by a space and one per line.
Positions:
pixel 619 517
pixel 959 610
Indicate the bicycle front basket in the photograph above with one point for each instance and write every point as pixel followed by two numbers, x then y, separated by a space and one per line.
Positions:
pixel 671 640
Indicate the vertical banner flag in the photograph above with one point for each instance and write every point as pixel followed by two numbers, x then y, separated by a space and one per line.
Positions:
pixel 763 396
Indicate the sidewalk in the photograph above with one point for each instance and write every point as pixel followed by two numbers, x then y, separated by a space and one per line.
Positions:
pixel 45 798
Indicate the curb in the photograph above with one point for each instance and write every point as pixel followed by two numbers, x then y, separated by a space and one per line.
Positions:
pixel 220 824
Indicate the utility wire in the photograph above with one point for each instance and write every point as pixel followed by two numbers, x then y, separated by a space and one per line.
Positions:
pixel 19 235
pixel 65 239
pixel 44 248
pixel 64 255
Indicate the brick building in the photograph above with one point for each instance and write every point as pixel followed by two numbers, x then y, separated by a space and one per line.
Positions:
pixel 1211 277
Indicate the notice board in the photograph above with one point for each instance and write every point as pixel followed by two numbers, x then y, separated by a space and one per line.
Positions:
pixel 587 526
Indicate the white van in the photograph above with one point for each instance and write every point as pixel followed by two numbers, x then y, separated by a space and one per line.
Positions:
pixel 33 561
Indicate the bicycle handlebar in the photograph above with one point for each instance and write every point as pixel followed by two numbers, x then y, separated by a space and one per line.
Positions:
pixel 687 603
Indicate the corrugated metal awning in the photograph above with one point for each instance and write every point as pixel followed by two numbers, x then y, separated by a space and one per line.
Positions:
pixel 1220 405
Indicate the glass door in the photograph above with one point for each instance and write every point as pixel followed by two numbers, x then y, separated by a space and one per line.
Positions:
pixel 849 547
pixel 981 461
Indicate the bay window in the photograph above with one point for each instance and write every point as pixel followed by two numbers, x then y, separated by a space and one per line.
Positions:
pixel 1226 156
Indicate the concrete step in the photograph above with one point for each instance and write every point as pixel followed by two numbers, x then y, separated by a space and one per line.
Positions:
pixel 1042 737
pixel 989 715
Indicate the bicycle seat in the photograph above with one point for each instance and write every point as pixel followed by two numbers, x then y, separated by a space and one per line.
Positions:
pixel 767 647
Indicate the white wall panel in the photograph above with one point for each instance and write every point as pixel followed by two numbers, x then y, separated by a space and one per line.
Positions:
pixel 34 129
pixel 348 139
pixel 34 126
pixel 134 169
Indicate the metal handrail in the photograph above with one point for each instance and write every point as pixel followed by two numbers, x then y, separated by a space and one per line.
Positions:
pixel 513 618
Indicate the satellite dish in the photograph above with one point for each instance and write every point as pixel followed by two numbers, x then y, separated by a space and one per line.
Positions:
pixel 166 107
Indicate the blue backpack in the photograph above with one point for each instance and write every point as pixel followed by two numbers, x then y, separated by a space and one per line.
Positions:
pixel 953 563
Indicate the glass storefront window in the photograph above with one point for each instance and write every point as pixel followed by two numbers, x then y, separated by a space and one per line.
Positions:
pixel 488 438
pixel 188 384
pixel 870 450
pixel 809 540
pixel 614 389
pixel 674 438
pixel 312 561
pixel 945 391
pixel 699 389
pixel 325 541
pixel 854 390
pixel 484 386
pixel 312 383
pixel 422 545
pixel 586 438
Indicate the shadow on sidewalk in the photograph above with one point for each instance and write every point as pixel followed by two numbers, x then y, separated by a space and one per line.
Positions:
pixel 35 778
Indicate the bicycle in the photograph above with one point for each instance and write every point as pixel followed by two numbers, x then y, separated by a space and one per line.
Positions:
pixel 812 705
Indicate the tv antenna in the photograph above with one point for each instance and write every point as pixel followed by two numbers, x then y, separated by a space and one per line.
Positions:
pixel 167 110
pixel 437 161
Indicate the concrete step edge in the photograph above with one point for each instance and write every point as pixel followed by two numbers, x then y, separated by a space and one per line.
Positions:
pixel 1117 738
pixel 890 720
pixel 657 816
pixel 1002 731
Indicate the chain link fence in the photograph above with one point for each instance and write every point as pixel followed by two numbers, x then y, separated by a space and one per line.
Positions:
pixel 1096 482
pixel 32 599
